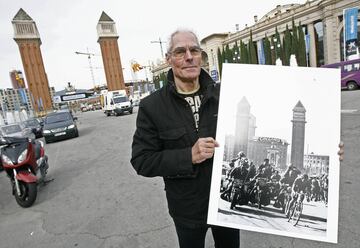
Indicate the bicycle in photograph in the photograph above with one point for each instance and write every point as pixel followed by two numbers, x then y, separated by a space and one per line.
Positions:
pixel 296 209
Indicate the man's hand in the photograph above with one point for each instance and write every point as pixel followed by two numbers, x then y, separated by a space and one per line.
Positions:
pixel 203 149
pixel 341 151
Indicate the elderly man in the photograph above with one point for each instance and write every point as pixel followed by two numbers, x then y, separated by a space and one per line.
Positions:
pixel 174 139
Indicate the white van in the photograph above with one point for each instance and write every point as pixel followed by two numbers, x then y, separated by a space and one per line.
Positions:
pixel 116 102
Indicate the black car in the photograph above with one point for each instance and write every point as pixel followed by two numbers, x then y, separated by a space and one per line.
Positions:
pixel 59 125
pixel 35 126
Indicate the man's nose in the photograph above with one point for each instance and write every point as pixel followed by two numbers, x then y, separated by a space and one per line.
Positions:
pixel 188 54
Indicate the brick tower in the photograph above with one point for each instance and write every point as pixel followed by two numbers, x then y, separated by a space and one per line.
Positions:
pixel 27 37
pixel 108 37
pixel 298 136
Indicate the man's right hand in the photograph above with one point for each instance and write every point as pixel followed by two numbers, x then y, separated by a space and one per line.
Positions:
pixel 203 149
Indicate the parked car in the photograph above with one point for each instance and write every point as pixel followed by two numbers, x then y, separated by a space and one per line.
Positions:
pixel 59 125
pixel 16 130
pixel 34 125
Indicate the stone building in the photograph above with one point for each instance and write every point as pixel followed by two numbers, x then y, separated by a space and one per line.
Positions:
pixel 322 20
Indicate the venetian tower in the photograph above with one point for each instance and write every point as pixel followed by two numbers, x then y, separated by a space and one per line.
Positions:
pixel 298 136
pixel 242 126
pixel 108 37
pixel 27 37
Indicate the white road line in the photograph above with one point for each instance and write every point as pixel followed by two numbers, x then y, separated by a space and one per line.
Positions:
pixel 346 111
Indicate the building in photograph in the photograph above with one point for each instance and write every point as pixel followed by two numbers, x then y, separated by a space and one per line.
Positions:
pixel 242 126
pixel 27 36
pixel 316 165
pixel 274 149
pixel 229 148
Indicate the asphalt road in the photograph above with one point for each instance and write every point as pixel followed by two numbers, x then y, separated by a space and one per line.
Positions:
pixel 312 222
pixel 97 200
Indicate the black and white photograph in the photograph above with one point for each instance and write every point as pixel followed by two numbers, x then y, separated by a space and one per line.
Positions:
pixel 277 169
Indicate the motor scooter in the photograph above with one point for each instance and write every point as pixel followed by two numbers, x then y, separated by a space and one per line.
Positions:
pixel 26 164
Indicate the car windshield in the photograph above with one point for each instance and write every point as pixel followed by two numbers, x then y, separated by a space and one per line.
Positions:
pixel 120 99
pixel 11 129
pixel 60 117
pixel 31 122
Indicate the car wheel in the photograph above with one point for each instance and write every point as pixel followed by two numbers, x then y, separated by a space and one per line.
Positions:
pixel 77 133
pixel 351 85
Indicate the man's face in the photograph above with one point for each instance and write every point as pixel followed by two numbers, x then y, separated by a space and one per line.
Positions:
pixel 186 66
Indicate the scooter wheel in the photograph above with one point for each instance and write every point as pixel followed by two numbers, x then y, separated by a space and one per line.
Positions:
pixel 28 194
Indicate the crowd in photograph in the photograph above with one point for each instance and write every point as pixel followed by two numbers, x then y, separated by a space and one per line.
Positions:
pixel 244 183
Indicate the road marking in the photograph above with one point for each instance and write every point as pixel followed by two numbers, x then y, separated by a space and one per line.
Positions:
pixel 348 111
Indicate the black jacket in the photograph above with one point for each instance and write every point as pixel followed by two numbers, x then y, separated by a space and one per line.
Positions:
pixel 165 133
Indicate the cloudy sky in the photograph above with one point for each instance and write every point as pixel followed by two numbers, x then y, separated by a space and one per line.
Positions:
pixel 68 26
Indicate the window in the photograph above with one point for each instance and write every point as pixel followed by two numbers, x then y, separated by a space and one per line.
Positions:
pixel 319 43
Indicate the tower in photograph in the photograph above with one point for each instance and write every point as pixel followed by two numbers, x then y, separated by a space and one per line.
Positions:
pixel 108 37
pixel 242 126
pixel 298 136
pixel 27 37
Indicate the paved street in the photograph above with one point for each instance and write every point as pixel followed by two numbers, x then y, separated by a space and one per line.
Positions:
pixel 97 200
pixel 312 222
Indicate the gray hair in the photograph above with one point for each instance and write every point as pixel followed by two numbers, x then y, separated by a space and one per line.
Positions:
pixel 182 30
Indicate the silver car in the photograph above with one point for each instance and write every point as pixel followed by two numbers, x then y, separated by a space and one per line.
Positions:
pixel 16 130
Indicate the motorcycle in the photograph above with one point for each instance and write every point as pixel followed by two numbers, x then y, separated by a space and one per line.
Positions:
pixel 26 164
pixel 261 192
pixel 239 193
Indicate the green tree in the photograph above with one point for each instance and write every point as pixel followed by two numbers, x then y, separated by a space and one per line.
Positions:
pixel 163 78
pixel 287 46
pixel 228 54
pixel 236 52
pixel 244 56
pixel 278 47
pixel 302 47
pixel 294 40
pixel 220 59
pixel 252 51
pixel 267 50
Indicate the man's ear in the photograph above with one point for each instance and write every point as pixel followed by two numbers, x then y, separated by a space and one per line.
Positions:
pixel 167 57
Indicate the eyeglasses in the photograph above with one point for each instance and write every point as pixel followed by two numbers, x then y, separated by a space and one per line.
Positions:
pixel 180 52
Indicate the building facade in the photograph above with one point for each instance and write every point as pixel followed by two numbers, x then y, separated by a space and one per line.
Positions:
pixel 322 20
pixel 17 79
pixel 316 165
pixel 274 149
pixel 17 99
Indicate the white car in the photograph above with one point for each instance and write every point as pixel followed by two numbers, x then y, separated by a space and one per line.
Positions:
pixel 16 130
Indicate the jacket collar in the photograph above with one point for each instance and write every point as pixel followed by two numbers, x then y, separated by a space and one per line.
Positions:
pixel 206 83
